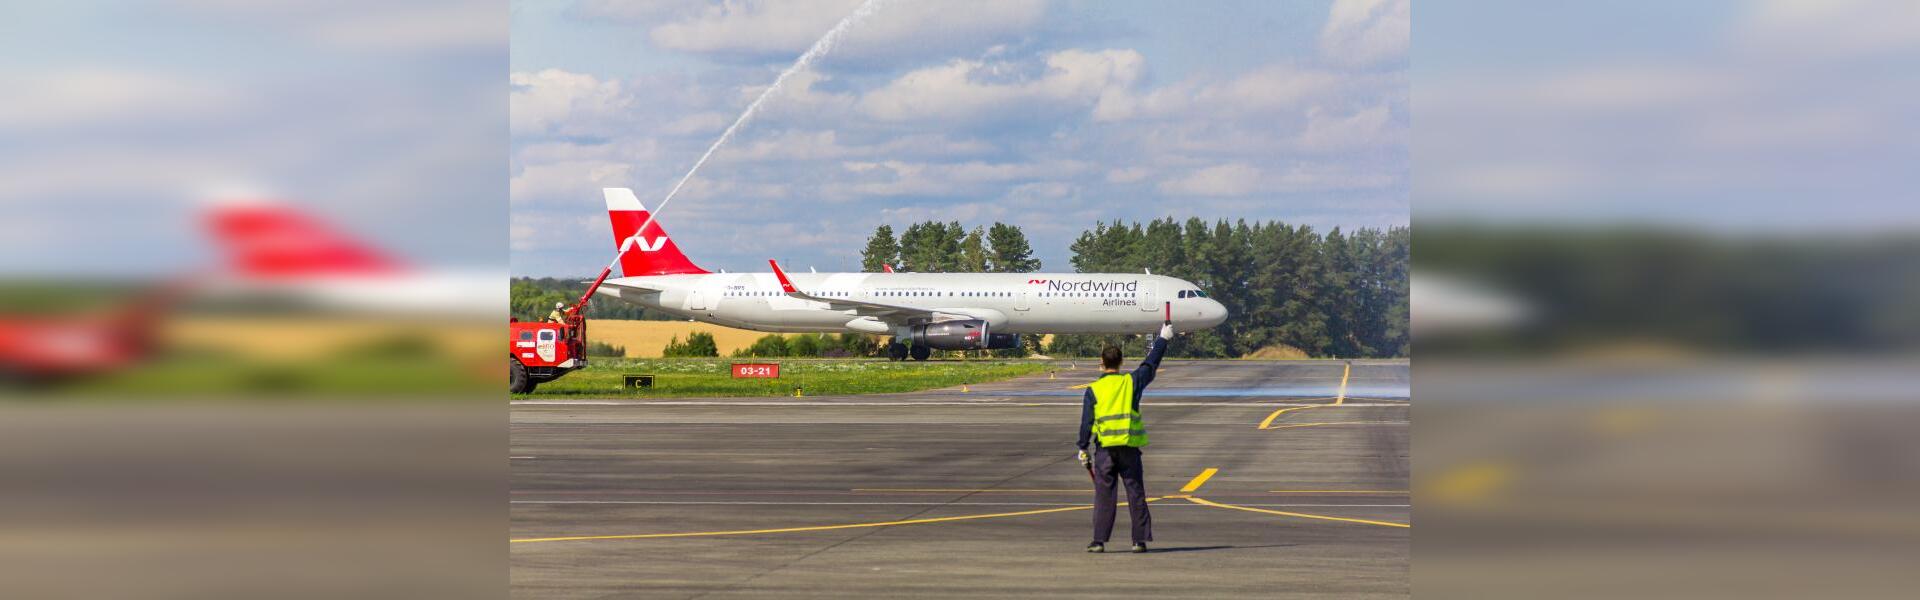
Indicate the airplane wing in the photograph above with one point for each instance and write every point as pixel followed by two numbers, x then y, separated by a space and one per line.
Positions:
pixel 864 308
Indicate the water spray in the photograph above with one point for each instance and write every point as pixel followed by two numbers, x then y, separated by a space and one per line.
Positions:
pixel 820 47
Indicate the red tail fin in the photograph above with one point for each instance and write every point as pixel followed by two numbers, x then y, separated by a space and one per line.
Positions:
pixel 268 240
pixel 652 253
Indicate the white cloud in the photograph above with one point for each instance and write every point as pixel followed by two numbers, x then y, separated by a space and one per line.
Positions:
pixel 553 101
pixel 370 25
pixel 1231 179
pixel 572 179
pixel 1242 179
pixel 900 178
pixel 897 29
pixel 701 122
pixel 978 90
pixel 634 10
pixel 1366 32
pixel 106 97
pixel 1326 132
pixel 1261 92
pixel 1830 29
pixel 1128 175
pixel 826 145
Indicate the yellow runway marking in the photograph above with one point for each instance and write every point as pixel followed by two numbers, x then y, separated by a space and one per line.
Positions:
pixel 1381 492
pixel 1199 480
pixel 972 491
pixel 1470 483
pixel 810 528
pixel 1301 515
pixel 1341 398
pixel 1276 414
pixel 1292 425
pixel 1338 399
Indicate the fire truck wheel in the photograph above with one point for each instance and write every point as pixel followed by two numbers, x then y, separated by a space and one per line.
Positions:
pixel 517 380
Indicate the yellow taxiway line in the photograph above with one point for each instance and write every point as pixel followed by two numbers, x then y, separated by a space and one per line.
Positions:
pixel 640 536
pixel 1380 492
pixel 1338 399
pixel 1293 425
pixel 1198 480
pixel 974 490
pixel 1207 502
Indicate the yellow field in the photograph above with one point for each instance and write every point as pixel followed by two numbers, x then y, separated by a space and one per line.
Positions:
pixel 302 338
pixel 645 339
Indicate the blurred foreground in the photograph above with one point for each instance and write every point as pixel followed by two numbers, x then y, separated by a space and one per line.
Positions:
pixel 1667 341
pixel 284 400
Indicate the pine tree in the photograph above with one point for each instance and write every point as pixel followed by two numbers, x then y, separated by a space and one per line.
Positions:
pixel 882 249
pixel 973 252
pixel 949 238
pixel 1009 251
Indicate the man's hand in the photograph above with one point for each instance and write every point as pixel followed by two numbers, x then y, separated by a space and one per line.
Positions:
pixel 1166 331
pixel 1085 460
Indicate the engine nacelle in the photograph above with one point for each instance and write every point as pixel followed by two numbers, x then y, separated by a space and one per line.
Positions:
pixel 962 335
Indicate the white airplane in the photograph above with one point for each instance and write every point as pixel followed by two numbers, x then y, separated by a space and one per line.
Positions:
pixel 277 253
pixel 932 311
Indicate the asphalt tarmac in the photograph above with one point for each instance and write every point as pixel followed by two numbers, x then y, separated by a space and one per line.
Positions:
pixel 1267 479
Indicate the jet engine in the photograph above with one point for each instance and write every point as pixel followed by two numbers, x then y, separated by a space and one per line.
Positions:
pixel 970 334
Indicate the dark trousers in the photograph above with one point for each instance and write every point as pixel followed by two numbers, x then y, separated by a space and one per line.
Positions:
pixel 1122 463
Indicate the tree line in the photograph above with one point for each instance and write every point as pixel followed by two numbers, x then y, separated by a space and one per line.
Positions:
pixel 530 299
pixel 935 247
pixel 1680 289
pixel 1289 289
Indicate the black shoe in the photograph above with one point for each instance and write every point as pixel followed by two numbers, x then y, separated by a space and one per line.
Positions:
pixel 1096 547
pixel 1139 548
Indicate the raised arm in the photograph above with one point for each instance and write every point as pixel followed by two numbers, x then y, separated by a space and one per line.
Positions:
pixel 1143 374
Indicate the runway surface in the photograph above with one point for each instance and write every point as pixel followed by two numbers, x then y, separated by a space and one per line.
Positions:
pixel 1267 481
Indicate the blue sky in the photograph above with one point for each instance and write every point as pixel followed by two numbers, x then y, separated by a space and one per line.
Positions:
pixel 1776 116
pixel 1047 115
pixel 121 120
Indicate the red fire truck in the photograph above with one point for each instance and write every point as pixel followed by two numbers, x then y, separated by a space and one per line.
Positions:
pixel 539 352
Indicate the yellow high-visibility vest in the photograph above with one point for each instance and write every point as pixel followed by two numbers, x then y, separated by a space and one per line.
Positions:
pixel 1115 422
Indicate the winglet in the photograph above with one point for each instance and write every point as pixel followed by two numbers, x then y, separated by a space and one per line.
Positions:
pixel 785 285
pixel 886 266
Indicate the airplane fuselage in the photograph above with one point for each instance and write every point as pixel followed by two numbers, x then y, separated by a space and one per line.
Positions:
pixel 1018 303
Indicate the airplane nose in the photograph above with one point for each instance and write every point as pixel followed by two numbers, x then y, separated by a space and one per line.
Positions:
pixel 1213 312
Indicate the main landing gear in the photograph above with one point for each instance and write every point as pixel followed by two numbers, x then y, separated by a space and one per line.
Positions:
pixel 897 351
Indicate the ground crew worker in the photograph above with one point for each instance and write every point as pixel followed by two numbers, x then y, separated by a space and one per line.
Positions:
pixel 1110 421
pixel 556 316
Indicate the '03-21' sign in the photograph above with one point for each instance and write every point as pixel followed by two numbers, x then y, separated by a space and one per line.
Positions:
pixel 756 370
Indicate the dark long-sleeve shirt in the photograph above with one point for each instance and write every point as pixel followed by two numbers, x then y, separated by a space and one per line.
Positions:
pixel 1142 375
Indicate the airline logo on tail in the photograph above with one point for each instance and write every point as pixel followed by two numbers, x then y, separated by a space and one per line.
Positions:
pixel 646 246
pixel 657 255
pixel 271 240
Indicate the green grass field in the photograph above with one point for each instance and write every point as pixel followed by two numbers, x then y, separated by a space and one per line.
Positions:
pixel 680 377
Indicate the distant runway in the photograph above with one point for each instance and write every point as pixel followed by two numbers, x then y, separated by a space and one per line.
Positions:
pixel 1267 479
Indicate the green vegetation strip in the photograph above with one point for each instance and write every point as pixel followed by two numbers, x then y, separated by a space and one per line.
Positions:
pixel 682 377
